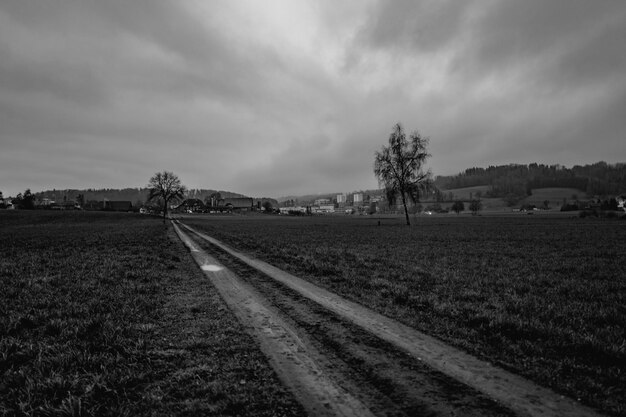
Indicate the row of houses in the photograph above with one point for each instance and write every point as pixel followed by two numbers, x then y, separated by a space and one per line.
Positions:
pixel 195 205
pixel 187 205
pixel 323 209
pixel 47 204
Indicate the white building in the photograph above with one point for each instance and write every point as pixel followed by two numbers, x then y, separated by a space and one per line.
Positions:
pixel 341 198
pixel 321 202
pixel 286 210
pixel 328 208
pixel 357 198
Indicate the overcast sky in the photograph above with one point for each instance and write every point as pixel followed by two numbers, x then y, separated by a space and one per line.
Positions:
pixel 270 98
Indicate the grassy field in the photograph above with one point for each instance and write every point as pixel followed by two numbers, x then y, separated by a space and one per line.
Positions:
pixel 106 314
pixel 554 196
pixel 542 296
pixel 464 193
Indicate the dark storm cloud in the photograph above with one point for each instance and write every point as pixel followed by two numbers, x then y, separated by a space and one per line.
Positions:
pixel 154 49
pixel 560 43
pixel 127 75
pixel 286 97
pixel 520 77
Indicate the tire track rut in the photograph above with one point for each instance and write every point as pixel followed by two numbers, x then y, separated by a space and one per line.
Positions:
pixel 378 375
pixel 297 366
pixel 390 381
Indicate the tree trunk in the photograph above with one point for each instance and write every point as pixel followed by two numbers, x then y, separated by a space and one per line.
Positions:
pixel 164 210
pixel 406 210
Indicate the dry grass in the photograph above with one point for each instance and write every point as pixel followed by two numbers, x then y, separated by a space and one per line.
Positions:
pixel 106 314
pixel 541 296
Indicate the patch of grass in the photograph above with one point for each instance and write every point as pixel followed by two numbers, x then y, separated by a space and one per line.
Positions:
pixel 543 297
pixel 106 314
pixel 554 196
pixel 464 193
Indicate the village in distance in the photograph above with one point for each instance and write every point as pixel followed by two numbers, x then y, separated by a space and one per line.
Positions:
pixel 596 189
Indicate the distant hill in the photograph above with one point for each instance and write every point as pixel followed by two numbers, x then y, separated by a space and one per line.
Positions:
pixel 137 196
pixel 599 179
pixel 513 184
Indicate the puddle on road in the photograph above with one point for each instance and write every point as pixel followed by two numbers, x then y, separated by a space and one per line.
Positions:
pixel 212 268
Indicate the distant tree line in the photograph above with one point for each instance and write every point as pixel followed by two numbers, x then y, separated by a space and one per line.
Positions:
pixel 138 196
pixel 517 180
pixel 97 199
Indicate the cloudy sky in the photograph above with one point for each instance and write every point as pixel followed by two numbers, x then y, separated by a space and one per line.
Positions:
pixel 271 98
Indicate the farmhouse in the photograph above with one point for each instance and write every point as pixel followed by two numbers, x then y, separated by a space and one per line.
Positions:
pixel 191 205
pixel 8 203
pixel 66 205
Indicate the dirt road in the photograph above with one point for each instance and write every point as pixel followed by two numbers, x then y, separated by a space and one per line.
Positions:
pixel 340 358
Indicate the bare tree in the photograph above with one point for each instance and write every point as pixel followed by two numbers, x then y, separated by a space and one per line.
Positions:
pixel 400 168
pixel 166 186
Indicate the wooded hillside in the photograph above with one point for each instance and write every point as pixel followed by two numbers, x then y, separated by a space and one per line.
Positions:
pixel 598 179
